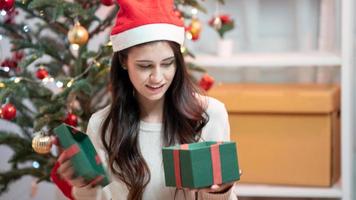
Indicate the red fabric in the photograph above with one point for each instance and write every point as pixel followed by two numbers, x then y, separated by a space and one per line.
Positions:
pixel 63 185
pixel 216 163
pixel 137 13
pixel 177 175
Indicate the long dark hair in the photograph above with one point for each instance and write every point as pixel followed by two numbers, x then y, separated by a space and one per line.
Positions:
pixel 184 117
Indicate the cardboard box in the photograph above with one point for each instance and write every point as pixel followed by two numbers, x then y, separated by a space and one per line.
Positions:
pixel 83 156
pixel 199 165
pixel 287 134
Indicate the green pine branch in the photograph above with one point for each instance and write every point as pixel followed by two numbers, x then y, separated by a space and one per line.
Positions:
pixel 13 175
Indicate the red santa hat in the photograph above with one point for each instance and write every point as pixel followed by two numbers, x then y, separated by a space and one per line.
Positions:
pixel 145 21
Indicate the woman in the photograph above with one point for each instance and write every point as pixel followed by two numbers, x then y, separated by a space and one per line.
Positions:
pixel 154 104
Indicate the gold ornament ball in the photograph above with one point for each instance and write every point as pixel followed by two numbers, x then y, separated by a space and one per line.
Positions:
pixel 42 144
pixel 78 35
pixel 196 26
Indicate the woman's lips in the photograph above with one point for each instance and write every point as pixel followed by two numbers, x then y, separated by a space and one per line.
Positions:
pixel 155 88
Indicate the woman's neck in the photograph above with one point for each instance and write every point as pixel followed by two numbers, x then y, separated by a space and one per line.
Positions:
pixel 151 111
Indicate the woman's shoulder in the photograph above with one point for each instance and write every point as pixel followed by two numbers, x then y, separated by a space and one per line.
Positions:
pixel 98 117
pixel 217 128
pixel 211 105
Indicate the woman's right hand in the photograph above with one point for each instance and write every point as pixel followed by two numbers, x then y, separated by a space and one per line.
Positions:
pixel 67 172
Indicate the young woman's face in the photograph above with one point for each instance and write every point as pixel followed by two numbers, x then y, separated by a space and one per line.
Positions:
pixel 151 69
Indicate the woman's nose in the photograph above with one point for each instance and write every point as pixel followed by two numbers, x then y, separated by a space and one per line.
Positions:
pixel 156 75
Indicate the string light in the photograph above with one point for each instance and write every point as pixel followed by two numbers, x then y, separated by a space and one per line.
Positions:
pixel 194 11
pixel 70 83
pixel 35 165
pixel 189 36
pixel 47 80
pixel 2 85
pixel 59 84
pixel 5 69
pixel 16 79
pixel 74 47
pixel 96 63
pixel 26 28
pixel 3 13
pixel 183 49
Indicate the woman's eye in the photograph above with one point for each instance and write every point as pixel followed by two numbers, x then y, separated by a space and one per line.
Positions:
pixel 168 64
pixel 144 66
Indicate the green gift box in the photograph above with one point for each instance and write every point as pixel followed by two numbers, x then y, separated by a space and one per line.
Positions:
pixel 201 164
pixel 85 160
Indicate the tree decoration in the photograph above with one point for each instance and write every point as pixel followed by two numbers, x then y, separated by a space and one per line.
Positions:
pixel 222 24
pixel 78 35
pixel 41 73
pixel 8 111
pixel 206 82
pixel 41 143
pixel 7 5
pixel 194 29
pixel 71 119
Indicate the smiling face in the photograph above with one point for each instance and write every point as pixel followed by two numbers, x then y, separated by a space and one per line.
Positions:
pixel 151 68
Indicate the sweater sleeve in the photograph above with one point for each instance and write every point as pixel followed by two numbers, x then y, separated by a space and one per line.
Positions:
pixel 93 132
pixel 228 195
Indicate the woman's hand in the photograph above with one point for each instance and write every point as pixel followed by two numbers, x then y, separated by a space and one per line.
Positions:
pixel 67 172
pixel 218 188
pixel 215 188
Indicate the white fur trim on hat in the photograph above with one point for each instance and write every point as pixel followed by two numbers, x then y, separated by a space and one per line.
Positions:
pixel 147 33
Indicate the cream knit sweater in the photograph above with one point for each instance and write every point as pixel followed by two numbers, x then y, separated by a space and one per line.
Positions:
pixel 150 140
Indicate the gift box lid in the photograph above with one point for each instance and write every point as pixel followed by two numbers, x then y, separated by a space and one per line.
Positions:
pixel 84 157
pixel 278 98
pixel 195 146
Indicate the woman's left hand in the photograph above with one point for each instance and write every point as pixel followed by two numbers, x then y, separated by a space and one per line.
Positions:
pixel 216 188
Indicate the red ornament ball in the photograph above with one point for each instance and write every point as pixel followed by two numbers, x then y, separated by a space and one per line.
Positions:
pixel 11 63
pixel 18 55
pixel 8 111
pixel 206 82
pixel 7 5
pixel 41 73
pixel 71 119
pixel 107 2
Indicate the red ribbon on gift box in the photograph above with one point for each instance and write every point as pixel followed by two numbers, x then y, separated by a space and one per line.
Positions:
pixel 215 161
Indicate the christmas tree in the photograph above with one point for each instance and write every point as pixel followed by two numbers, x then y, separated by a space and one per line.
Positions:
pixel 53 77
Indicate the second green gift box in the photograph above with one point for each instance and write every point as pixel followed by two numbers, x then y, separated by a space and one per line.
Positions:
pixel 199 165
